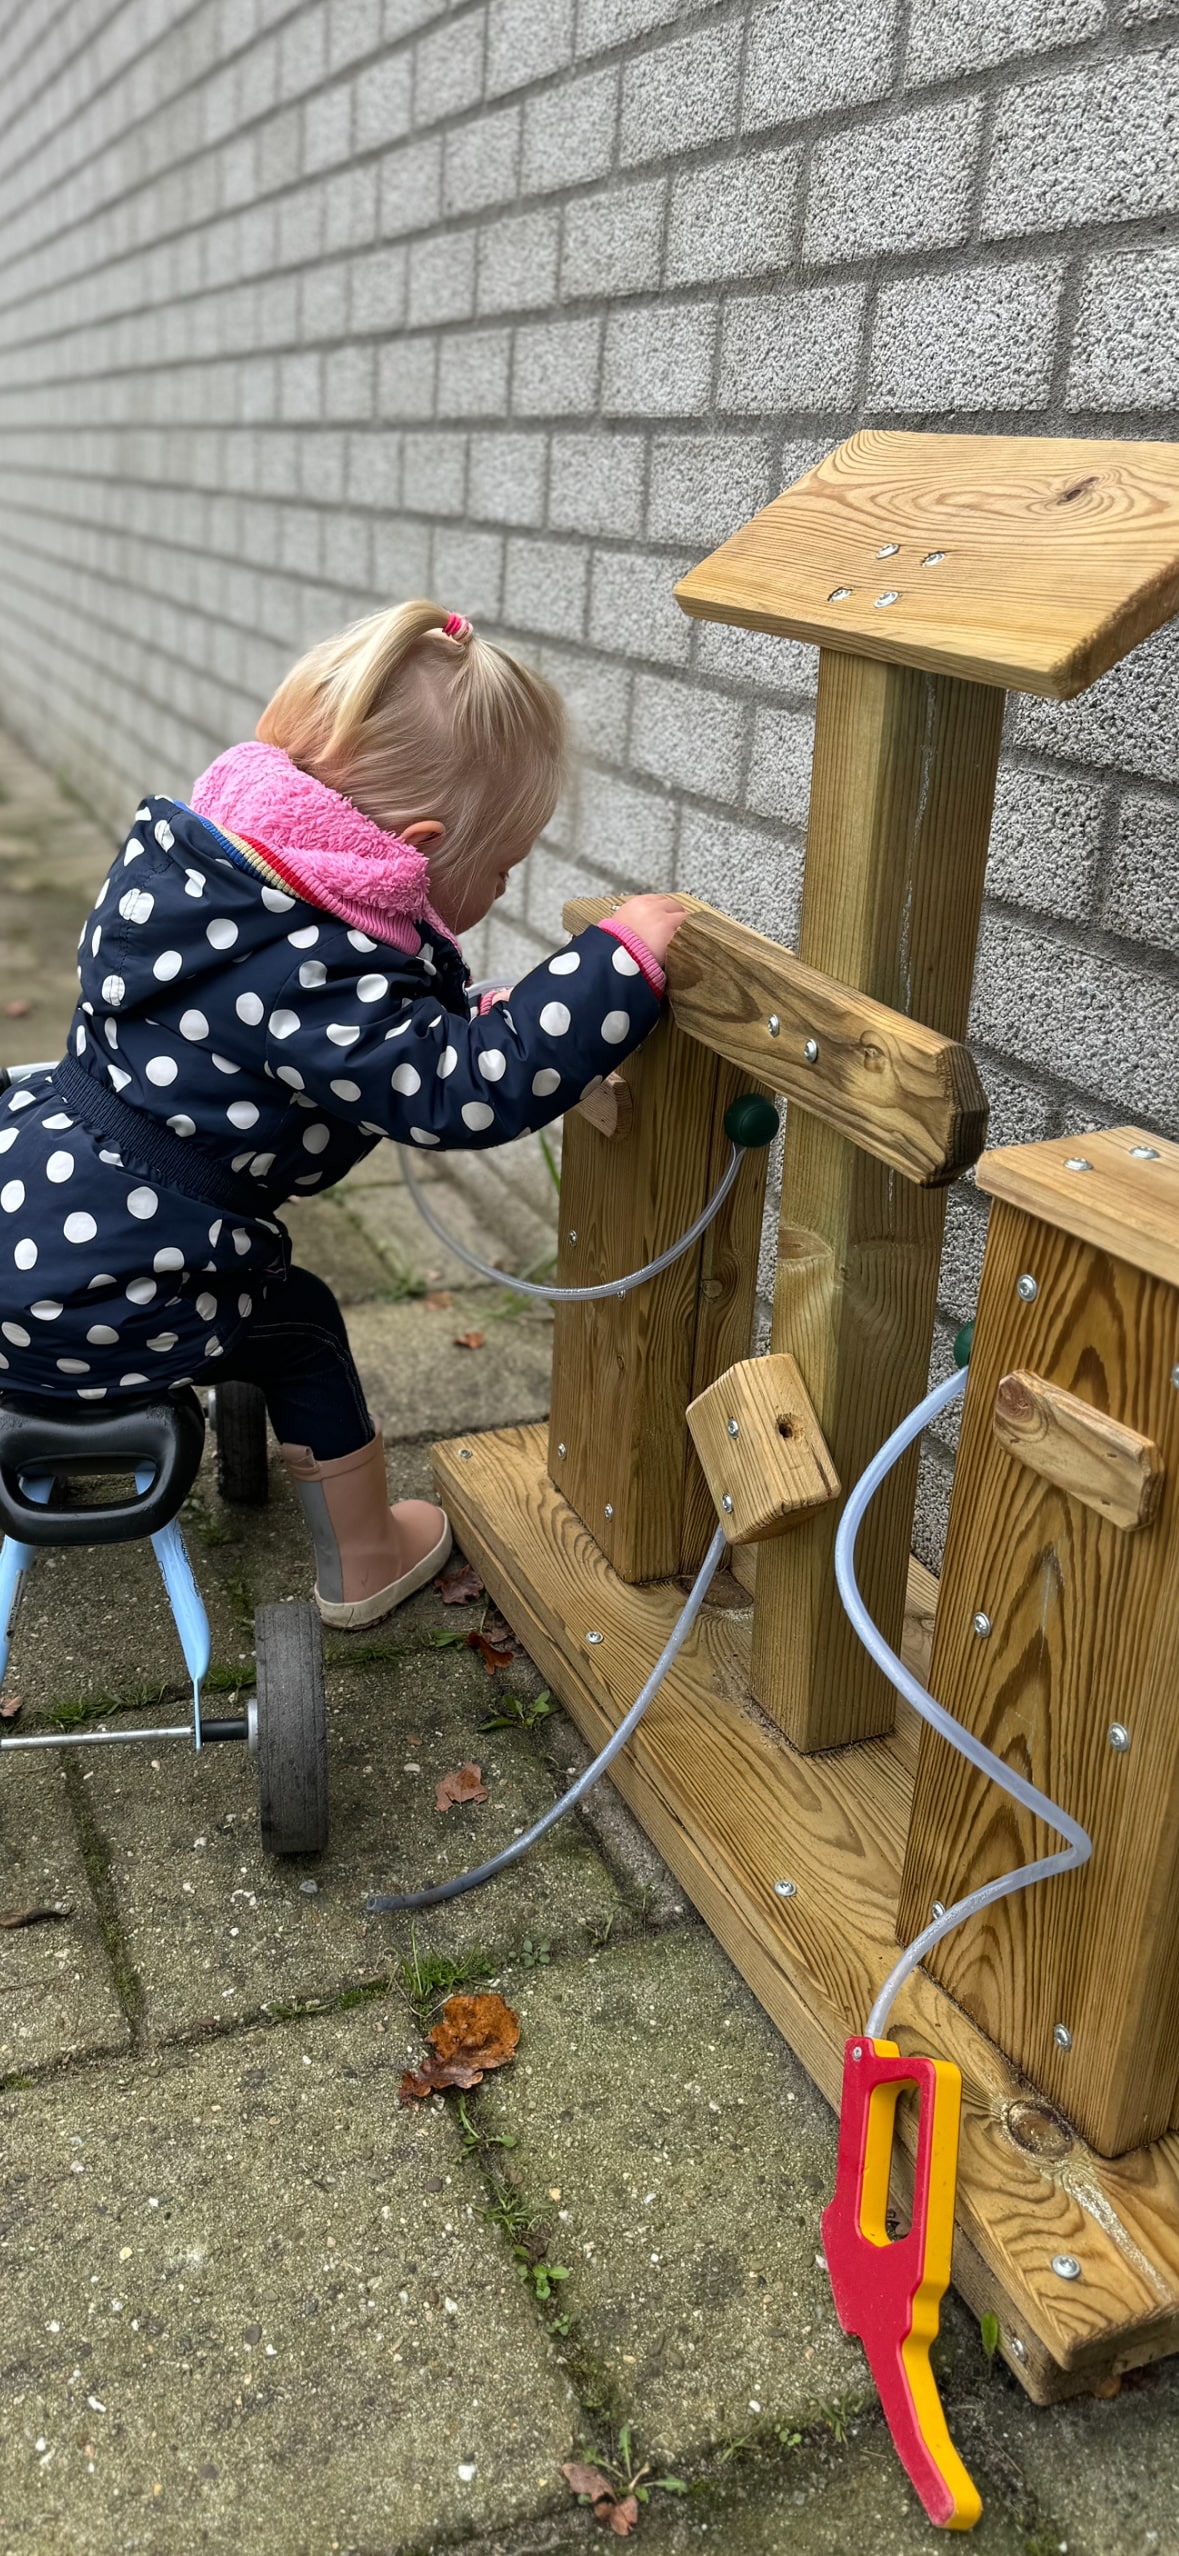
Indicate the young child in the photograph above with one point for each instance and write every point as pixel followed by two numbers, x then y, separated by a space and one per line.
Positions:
pixel 270 982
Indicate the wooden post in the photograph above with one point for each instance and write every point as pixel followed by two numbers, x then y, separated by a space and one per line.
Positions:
pixel 625 1370
pixel 901 799
pixel 1076 1573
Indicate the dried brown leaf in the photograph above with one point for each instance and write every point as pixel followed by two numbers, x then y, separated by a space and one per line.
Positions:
pixel 9 1708
pixel 469 1339
pixel 623 2517
pixel 458 1583
pixel 491 1658
pixel 463 1784
pixel 496 1630
pixel 439 1302
pixel 472 2035
pixel 14 1917
pixel 619 2517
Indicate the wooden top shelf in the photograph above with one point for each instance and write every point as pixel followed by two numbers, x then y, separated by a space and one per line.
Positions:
pixel 1018 560
pixel 1126 1202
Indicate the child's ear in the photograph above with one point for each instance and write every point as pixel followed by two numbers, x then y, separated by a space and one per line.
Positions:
pixel 424 831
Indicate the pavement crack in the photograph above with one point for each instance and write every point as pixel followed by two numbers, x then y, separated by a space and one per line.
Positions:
pixel 96 1855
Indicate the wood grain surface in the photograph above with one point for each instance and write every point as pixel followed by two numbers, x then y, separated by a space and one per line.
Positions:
pixel 1084 1634
pixel 761 1448
pixel 898 1090
pixel 1117 1187
pixel 733 1809
pixel 1113 1469
pixel 1023 561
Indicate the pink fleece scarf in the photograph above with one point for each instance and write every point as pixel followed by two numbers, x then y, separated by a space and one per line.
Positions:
pixel 325 848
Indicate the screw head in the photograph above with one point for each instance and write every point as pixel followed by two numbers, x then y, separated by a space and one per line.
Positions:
pixel 774 1025
pixel 572 1234
pixel 982 1625
pixel 734 1428
pixel 1027 1288
pixel 839 594
pixel 1017 2347
pixel 1077 1162
pixel 562 1449
pixel 891 595
pixel 888 550
pixel 1175 1377
pixel 933 559
pixel 811 1051
pixel 609 1509
pixel 857 2053
pixel 727 1504
pixel 465 1454
pixel 785 1890
pixel 937 1908
pixel 1145 1154
pixel 1066 2267
pixel 1119 1736
pixel 593 1637
pixel 1062 2036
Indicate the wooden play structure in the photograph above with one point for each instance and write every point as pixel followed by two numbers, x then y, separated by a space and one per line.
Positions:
pixel 772 1770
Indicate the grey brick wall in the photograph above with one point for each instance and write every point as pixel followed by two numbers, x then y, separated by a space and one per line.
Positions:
pixel 305 304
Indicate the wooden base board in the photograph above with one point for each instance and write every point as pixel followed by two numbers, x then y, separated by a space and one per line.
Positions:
pixel 733 1808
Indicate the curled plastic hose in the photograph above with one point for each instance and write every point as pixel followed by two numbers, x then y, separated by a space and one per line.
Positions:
pixel 1080 1844
pixel 384 1903
pixel 579 1295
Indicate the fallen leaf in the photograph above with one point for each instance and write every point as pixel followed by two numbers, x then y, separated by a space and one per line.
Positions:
pixel 472 2035
pixel 469 1339
pixel 440 1302
pixel 16 1011
pixel 495 1628
pixel 465 1784
pixel 589 2482
pixel 10 1708
pixel 492 1658
pixel 460 1582
pixel 36 1916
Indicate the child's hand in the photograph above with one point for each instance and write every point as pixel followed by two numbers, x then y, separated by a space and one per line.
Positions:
pixel 656 919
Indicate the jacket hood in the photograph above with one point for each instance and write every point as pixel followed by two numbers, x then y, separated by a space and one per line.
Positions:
pixel 330 852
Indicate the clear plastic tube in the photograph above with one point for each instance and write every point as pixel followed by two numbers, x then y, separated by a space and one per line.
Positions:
pixel 1029 1797
pixel 578 1295
pixel 400 1903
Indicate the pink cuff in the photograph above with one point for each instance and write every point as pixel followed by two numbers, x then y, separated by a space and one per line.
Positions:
pixel 494 994
pixel 644 959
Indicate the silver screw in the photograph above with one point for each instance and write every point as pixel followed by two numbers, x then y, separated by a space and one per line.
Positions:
pixel 891 595
pixel 727 1504
pixel 609 1508
pixel 1077 1162
pixel 888 550
pixel 562 1449
pixel 572 1234
pixel 734 1428
pixel 1175 1377
pixel 937 1908
pixel 1066 2267
pixel 593 1637
pixel 1027 1288
pixel 811 1051
pixel 1119 1736
pixel 1062 2036
pixel 839 594
pixel 982 1625
pixel 933 559
pixel 773 1025
pixel 1017 2347
pixel 785 1890
pixel 1145 1154
pixel 857 2053
pixel 465 1454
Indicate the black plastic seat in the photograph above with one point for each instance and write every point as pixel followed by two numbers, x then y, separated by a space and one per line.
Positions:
pixel 52 1440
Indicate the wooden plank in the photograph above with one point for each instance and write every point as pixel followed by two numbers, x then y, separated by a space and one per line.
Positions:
pixel 1084 1634
pixel 1117 1187
pixel 1068 1442
pixel 726 1296
pixel 1029 561
pixel 610 1108
pixel 762 1449
pixel 733 1809
pixel 904 777
pixel 898 1090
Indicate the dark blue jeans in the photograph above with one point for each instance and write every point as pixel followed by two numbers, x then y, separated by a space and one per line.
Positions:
pixel 298 1352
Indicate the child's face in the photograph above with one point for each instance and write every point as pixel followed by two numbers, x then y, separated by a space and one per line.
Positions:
pixel 464 901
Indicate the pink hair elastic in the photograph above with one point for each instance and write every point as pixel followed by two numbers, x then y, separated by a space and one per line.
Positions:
pixel 455 627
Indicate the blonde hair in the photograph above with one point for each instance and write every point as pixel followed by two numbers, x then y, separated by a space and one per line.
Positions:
pixel 410 715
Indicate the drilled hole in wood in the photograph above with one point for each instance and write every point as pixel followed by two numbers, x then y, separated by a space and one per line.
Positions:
pixel 785 1428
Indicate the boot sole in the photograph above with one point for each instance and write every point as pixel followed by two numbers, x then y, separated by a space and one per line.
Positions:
pixel 347 1615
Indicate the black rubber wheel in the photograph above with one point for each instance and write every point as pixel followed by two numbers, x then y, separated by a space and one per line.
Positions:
pixel 239 1418
pixel 291 1730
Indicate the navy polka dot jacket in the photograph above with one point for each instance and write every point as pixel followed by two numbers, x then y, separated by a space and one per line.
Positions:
pixel 268 1046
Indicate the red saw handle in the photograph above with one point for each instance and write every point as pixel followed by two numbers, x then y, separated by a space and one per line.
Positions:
pixel 888 2291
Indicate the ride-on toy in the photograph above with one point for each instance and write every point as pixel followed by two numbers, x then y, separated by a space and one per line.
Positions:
pixel 45 1447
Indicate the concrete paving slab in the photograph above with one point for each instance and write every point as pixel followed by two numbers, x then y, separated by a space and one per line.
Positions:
pixel 95 1630
pixel 693 2156
pixel 214 1930
pixel 423 1386
pixel 1109 2469
pixel 58 1998
pixel 249 2303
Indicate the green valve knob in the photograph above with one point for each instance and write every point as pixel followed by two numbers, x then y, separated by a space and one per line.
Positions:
pixel 751 1121
pixel 963 1344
